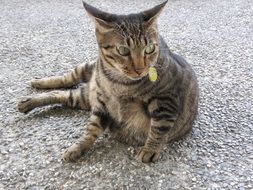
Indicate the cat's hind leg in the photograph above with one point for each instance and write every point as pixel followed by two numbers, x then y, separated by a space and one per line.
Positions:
pixel 82 73
pixel 74 98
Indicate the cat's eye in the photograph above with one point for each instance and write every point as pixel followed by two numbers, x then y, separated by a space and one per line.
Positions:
pixel 123 50
pixel 150 49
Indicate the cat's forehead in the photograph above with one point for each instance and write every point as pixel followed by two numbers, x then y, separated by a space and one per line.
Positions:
pixel 133 25
pixel 130 33
pixel 130 25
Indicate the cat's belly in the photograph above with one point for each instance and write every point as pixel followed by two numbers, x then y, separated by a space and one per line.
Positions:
pixel 133 122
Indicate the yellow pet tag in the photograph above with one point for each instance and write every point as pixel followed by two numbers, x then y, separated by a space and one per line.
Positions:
pixel 152 72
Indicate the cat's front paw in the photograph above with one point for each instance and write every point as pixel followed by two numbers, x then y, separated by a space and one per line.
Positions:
pixel 72 154
pixel 25 105
pixel 146 155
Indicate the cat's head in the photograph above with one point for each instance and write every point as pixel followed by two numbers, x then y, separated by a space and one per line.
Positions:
pixel 128 44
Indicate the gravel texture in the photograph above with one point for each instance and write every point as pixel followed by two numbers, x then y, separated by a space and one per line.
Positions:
pixel 44 38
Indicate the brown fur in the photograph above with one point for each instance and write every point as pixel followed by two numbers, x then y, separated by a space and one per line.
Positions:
pixel 117 89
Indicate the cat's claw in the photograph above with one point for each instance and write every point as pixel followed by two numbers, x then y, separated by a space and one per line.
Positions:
pixel 146 155
pixel 25 105
pixel 72 154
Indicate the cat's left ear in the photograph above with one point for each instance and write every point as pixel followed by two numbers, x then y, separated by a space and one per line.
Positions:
pixel 150 16
pixel 103 20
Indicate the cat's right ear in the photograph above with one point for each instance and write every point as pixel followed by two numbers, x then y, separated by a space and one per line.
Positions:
pixel 103 20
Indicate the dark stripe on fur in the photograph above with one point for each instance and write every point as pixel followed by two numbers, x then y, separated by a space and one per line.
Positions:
pixel 167 109
pixel 86 72
pixel 105 118
pixel 106 58
pixel 163 116
pixel 110 57
pixel 71 100
pixel 166 99
pixel 106 47
pixel 97 83
pixel 82 94
pixel 179 60
pixel 161 129
pixel 101 102
pixel 153 144
pixel 83 74
pixel 146 41
pixel 128 41
pixel 147 89
pixel 99 93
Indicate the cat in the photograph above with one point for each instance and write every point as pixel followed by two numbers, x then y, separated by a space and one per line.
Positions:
pixel 138 90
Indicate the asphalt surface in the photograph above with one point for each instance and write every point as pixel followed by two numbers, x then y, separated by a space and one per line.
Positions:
pixel 45 38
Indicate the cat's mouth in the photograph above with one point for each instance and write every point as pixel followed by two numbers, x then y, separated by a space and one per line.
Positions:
pixel 136 76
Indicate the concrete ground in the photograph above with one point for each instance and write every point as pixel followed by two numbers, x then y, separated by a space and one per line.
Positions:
pixel 44 38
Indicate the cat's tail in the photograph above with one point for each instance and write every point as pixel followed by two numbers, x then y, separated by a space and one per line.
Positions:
pixel 81 74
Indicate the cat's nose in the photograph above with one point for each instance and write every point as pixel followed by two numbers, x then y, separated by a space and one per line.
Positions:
pixel 139 71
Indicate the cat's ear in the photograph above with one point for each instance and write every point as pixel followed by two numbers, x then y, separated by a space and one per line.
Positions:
pixel 103 20
pixel 150 16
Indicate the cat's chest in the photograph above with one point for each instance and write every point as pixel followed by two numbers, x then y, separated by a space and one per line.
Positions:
pixel 130 112
pixel 124 90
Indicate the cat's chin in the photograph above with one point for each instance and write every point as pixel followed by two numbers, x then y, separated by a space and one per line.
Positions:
pixel 137 77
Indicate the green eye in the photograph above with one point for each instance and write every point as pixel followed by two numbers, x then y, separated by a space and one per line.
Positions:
pixel 123 50
pixel 150 49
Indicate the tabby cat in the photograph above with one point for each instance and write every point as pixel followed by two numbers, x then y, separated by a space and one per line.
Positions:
pixel 138 90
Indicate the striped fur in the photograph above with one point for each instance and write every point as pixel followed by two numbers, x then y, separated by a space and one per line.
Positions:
pixel 117 90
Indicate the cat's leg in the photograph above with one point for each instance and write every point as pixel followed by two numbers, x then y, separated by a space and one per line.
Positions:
pixel 98 122
pixel 163 112
pixel 75 98
pixel 82 73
